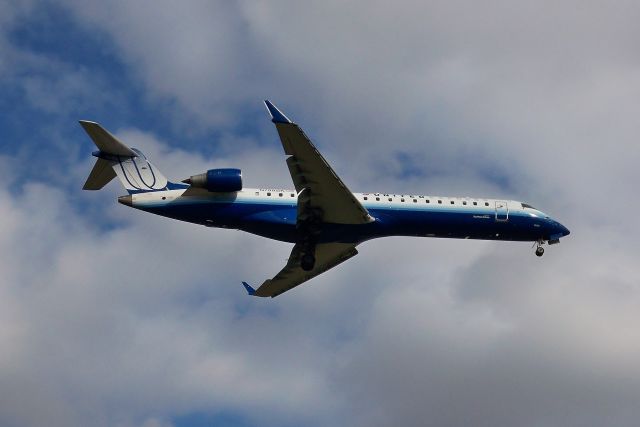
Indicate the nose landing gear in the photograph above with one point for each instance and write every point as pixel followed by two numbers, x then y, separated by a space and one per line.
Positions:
pixel 539 248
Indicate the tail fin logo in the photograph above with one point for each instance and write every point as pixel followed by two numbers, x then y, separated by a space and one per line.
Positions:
pixel 138 174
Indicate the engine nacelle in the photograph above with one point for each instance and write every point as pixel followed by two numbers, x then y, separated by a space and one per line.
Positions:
pixel 218 180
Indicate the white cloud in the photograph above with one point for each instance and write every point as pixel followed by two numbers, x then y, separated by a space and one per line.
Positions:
pixel 532 91
pixel 134 324
pixel 143 318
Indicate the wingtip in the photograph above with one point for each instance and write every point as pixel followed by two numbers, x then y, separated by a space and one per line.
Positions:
pixel 249 289
pixel 276 115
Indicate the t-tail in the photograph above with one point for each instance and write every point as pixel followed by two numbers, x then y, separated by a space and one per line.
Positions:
pixel 135 172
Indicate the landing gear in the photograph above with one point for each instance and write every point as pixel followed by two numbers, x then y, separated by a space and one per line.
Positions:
pixel 539 251
pixel 307 262
pixel 308 257
pixel 308 228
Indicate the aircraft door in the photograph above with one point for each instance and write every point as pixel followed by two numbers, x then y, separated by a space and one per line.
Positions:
pixel 502 211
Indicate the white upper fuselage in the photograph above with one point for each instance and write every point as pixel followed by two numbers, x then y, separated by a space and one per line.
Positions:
pixel 368 200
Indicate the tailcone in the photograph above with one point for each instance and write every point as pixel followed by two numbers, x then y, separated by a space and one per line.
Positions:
pixel 126 200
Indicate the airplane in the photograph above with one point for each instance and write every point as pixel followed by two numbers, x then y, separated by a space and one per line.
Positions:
pixel 322 218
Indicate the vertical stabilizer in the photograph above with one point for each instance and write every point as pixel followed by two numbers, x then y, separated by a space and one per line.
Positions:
pixel 133 169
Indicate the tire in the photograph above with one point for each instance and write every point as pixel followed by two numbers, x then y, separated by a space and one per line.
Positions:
pixel 307 262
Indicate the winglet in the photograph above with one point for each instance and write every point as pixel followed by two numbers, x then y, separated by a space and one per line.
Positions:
pixel 249 289
pixel 276 115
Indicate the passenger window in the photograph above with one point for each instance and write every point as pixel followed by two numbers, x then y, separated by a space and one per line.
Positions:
pixel 475 203
pixel 439 202
pixel 257 193
pixel 292 195
pixel 378 199
pixel 452 202
pixel 268 194
pixel 486 203
pixel 464 203
pixel 427 201
pixel 390 199
pixel 402 200
pixel 365 197
pixel 415 201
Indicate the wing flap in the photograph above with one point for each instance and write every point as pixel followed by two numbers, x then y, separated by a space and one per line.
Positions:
pixel 328 255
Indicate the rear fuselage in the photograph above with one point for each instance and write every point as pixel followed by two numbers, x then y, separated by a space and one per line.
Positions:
pixel 272 213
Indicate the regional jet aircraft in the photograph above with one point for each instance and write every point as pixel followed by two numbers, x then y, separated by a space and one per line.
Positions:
pixel 322 218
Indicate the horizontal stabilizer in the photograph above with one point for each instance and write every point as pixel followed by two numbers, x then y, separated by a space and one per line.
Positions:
pixel 101 174
pixel 106 142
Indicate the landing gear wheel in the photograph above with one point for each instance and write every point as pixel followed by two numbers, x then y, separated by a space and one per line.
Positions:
pixel 307 262
pixel 539 251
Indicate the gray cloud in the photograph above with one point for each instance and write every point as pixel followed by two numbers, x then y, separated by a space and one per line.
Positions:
pixel 136 323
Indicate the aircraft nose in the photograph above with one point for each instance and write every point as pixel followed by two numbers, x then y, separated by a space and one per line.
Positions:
pixel 562 229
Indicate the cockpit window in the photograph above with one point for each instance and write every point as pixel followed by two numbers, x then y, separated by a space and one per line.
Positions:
pixel 525 205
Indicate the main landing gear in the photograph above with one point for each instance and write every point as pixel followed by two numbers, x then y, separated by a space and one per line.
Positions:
pixel 308 261
pixel 309 227
pixel 539 248
pixel 308 255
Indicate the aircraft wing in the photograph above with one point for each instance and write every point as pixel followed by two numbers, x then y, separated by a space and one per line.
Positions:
pixel 328 255
pixel 324 190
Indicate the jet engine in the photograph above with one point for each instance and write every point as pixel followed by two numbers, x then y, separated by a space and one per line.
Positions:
pixel 217 180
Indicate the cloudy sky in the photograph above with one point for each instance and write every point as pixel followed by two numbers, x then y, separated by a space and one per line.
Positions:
pixel 112 317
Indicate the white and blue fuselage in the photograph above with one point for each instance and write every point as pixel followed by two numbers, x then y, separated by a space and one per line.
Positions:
pixel 272 213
